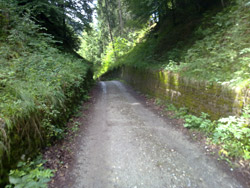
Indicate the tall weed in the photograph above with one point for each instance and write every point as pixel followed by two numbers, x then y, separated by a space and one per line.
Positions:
pixel 39 86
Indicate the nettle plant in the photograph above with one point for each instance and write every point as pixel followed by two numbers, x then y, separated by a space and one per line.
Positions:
pixel 233 133
pixel 201 122
pixel 30 174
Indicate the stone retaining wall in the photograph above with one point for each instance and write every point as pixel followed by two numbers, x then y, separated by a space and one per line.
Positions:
pixel 198 96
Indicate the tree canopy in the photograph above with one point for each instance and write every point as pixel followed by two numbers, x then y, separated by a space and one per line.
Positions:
pixel 63 19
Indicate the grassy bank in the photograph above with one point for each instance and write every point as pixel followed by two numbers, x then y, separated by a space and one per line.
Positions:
pixel 213 46
pixel 39 87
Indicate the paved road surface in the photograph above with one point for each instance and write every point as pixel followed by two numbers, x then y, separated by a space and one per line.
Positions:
pixel 128 146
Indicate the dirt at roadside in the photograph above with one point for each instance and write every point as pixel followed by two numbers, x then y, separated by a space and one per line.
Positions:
pixel 61 156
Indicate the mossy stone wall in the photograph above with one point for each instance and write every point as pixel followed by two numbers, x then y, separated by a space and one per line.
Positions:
pixel 198 96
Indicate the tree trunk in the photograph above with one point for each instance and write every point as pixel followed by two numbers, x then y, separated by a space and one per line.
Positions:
pixel 120 17
pixel 173 12
pixel 109 27
pixel 64 23
pixel 222 3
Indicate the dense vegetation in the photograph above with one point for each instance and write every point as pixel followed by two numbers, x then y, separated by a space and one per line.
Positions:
pixel 201 39
pixel 217 49
pixel 231 133
pixel 42 79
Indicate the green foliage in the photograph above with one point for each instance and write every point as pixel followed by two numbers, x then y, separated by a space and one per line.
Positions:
pixel 212 47
pixel 30 174
pixel 158 101
pixel 91 47
pixel 75 127
pixel 39 87
pixel 115 57
pixel 112 37
pixel 177 112
pixel 224 41
pixel 142 10
pixel 112 56
pixel 231 133
pixel 171 107
pixel 62 19
pixel 158 10
pixel 172 66
pixel 201 122
pixel 181 112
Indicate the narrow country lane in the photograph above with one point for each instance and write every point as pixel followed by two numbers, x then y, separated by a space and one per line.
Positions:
pixel 126 145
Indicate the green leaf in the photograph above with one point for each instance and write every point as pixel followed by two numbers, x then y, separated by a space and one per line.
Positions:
pixel 15 180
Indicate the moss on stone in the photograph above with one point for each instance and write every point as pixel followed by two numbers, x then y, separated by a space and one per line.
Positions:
pixel 199 96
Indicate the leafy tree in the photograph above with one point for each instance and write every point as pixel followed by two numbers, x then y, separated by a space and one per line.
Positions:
pixel 61 18
pixel 122 19
pixel 159 10
pixel 91 46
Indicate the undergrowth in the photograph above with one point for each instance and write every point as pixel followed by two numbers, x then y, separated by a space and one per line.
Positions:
pixel 221 50
pixel 40 85
pixel 232 133
pixel 30 174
